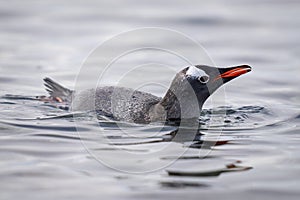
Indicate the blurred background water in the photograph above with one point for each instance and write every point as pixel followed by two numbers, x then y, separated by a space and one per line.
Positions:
pixel 46 158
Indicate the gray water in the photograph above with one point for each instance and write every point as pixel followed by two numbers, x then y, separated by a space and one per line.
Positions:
pixel 45 153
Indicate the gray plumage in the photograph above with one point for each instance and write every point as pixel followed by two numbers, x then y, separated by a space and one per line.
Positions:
pixel 118 103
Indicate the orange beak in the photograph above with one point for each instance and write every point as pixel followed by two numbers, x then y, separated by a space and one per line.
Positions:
pixel 234 72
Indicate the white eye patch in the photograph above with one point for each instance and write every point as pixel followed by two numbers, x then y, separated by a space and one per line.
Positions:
pixel 194 71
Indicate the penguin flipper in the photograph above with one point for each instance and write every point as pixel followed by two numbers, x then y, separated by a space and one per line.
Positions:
pixel 57 91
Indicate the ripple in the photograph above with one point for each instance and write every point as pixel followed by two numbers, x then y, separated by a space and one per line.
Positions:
pixel 182 184
pixel 46 127
pixel 228 168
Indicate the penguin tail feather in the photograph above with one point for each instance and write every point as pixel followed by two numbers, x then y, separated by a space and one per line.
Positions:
pixel 57 91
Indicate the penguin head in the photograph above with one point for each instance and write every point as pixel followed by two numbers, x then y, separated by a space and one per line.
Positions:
pixel 206 79
pixel 193 85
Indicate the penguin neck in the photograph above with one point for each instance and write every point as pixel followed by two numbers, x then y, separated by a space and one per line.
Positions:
pixel 180 107
pixel 180 102
pixel 171 105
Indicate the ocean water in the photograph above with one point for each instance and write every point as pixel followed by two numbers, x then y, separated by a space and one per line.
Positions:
pixel 250 143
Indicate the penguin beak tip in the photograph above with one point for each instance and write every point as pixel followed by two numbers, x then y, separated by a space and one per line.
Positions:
pixel 234 72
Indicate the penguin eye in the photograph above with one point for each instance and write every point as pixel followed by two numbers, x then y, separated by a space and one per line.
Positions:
pixel 203 79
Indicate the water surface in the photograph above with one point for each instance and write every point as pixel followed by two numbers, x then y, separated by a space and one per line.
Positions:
pixel 256 156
